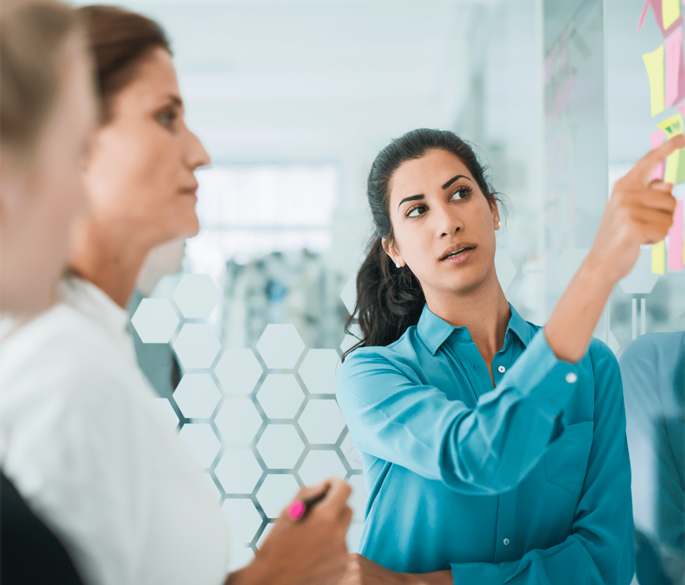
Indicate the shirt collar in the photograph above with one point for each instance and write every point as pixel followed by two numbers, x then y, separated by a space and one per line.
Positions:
pixel 93 302
pixel 434 331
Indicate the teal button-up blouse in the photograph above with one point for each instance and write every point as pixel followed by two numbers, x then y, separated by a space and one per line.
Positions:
pixel 528 482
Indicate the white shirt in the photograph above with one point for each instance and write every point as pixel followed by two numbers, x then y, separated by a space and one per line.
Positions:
pixel 83 441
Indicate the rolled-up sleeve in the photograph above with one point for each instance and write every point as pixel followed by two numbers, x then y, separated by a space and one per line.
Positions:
pixel 488 449
pixel 600 549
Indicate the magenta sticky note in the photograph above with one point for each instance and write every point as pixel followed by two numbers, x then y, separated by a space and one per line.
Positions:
pixel 656 8
pixel 642 17
pixel 656 139
pixel 675 240
pixel 675 68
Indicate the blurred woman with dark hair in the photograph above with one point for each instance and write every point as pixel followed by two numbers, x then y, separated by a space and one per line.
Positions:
pixel 494 450
pixel 84 439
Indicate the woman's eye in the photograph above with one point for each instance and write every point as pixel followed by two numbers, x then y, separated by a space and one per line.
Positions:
pixel 166 119
pixel 462 193
pixel 416 211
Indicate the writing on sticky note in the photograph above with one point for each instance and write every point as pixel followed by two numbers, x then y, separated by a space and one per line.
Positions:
pixel 670 11
pixel 654 62
pixel 675 68
pixel 672 126
pixel 659 258
pixel 656 139
pixel 675 240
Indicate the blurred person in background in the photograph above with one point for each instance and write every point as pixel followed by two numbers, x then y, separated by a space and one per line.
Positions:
pixel 494 450
pixel 82 438
pixel 47 116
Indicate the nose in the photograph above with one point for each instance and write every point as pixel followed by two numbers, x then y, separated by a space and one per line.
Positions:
pixel 197 155
pixel 447 222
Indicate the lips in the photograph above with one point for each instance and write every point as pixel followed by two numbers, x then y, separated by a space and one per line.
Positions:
pixel 454 251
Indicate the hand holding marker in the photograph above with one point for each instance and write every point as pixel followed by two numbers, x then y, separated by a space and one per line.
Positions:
pixel 299 508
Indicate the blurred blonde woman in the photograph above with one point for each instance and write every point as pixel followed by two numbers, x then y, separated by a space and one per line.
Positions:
pixel 89 448
pixel 47 116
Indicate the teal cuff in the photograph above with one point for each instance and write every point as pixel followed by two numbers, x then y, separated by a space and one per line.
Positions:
pixel 476 574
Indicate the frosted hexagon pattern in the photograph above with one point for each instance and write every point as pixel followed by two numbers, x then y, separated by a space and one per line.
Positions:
pixel 167 411
pixel 351 453
pixel 280 446
pixel 280 346
pixel 196 346
pixel 196 296
pixel 567 264
pixel 238 421
pixel 318 465
pixel 318 370
pixel 155 321
pixel 241 556
pixel 244 519
pixel 276 493
pixel 238 471
pixel 641 279
pixel 238 371
pixel 280 396
pixel 359 496
pixel 202 442
pixel 322 421
pixel 197 395
pixel 506 271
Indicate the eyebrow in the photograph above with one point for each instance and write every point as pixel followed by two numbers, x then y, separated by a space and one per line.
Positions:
pixel 175 100
pixel 445 186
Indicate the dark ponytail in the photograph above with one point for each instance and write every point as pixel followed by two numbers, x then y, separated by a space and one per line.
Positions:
pixel 390 299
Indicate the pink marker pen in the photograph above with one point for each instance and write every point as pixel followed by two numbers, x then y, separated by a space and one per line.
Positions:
pixel 299 508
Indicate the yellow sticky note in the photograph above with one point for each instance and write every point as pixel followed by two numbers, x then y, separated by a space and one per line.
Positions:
pixel 670 11
pixel 672 126
pixel 654 62
pixel 659 257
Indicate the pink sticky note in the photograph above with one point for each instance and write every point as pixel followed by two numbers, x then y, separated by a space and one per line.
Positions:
pixel 675 68
pixel 642 16
pixel 656 139
pixel 656 7
pixel 675 240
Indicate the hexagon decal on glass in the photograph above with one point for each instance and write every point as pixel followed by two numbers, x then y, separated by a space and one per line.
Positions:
pixel 241 556
pixel 196 346
pixel 641 279
pixel 349 294
pixel 568 264
pixel 351 339
pixel 318 370
pixel 322 421
pixel 243 519
pixel 196 296
pixel 155 321
pixel 280 346
pixel 359 496
pixel 280 396
pixel 167 411
pixel 506 271
pixel 238 371
pixel 276 493
pixel 238 421
pixel 280 446
pixel 197 395
pixel 351 453
pixel 238 471
pixel 202 442
pixel 318 465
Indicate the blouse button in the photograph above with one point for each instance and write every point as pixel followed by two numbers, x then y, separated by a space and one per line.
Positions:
pixel 506 542
pixel 571 378
pixel 501 369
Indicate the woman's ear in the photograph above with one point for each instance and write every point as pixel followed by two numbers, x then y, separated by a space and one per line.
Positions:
pixel 495 215
pixel 391 251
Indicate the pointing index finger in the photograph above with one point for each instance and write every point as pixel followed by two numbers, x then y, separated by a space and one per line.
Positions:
pixel 646 165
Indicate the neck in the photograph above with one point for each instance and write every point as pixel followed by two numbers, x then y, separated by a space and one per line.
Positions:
pixel 111 261
pixel 483 310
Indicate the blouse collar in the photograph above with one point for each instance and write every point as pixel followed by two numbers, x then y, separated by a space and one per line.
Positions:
pixel 434 331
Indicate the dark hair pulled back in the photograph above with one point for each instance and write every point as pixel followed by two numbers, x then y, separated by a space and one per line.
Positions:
pixel 119 41
pixel 390 299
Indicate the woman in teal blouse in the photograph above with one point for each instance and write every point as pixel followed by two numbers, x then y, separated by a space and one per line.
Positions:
pixel 494 450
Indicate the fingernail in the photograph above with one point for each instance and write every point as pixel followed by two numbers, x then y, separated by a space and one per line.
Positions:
pixel 296 509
